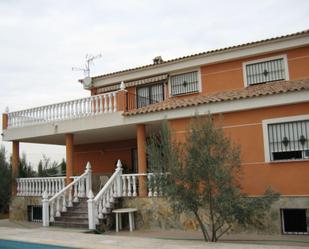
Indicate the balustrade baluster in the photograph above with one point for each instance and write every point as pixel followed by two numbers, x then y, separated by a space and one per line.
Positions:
pixel 35 189
pixel 58 207
pixel 17 187
pixel 84 107
pixel 115 102
pixel 16 119
pixel 155 187
pixel 64 203
pixel 44 188
pixel 104 210
pixel 129 186
pixel 105 103
pixel 149 186
pixel 111 194
pixel 107 200
pixel 25 187
pixel 110 106
pixel 124 186
pixel 63 182
pixel 100 209
pixel 70 203
pixel 49 187
pixel 39 115
pixel 83 192
pixel 77 108
pixel 75 192
pixel 30 187
pixel 114 189
pixel 96 101
pixel 20 118
pixel 40 192
pixel 134 185
pixel 101 104
pixel 52 212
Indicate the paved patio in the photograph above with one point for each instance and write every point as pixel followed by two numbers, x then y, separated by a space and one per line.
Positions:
pixel 31 232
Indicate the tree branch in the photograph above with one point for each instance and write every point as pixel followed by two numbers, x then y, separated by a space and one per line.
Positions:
pixel 224 231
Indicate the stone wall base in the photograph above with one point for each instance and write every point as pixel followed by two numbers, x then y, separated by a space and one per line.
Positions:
pixel 156 214
pixel 18 207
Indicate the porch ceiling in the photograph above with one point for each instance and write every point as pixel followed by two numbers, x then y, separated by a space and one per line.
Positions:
pixel 95 135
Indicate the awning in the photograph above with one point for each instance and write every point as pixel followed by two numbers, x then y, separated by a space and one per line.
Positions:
pixel 133 83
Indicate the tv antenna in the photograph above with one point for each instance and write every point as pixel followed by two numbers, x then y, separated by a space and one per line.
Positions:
pixel 89 61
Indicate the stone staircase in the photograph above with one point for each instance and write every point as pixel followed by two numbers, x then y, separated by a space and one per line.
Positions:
pixel 76 216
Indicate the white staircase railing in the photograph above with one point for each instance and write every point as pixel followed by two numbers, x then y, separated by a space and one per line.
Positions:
pixel 102 203
pixel 36 186
pixel 66 196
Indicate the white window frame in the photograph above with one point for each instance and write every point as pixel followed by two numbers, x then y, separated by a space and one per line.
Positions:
pixel 285 61
pixel 265 124
pixel 199 78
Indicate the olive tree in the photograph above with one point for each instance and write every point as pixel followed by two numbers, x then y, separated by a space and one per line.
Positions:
pixel 202 174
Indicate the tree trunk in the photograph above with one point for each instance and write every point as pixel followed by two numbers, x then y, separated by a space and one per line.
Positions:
pixel 213 228
pixel 205 233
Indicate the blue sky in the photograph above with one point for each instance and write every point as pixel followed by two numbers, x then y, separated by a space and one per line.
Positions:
pixel 42 40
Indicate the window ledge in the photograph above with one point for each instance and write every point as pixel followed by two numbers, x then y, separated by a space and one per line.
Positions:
pixel 184 94
pixel 289 161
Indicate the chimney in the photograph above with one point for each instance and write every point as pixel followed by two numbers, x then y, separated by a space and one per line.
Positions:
pixel 157 60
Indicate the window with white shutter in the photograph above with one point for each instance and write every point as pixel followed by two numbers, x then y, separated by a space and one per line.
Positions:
pixel 266 70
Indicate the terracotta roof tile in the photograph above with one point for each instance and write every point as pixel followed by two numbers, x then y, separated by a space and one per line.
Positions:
pixel 243 93
pixel 203 53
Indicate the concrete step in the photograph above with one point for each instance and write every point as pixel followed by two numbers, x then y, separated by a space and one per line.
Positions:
pixel 70 224
pixel 74 214
pixel 71 218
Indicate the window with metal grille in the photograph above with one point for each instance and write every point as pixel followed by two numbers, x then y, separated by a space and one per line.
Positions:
pixel 35 213
pixel 184 83
pixel 265 71
pixel 289 140
pixel 150 94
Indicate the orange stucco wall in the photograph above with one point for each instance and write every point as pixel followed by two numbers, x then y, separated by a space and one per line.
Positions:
pixel 103 156
pixel 245 129
pixel 229 75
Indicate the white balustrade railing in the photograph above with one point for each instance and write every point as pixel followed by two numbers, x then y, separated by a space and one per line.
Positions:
pixel 64 198
pixel 36 186
pixel 102 203
pixel 97 104
pixel 130 185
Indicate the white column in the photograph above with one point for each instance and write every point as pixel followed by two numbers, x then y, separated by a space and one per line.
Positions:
pixel 91 213
pixel 88 178
pixel 45 210
pixel 119 180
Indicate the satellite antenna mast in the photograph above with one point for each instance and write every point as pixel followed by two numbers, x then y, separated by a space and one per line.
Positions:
pixel 89 61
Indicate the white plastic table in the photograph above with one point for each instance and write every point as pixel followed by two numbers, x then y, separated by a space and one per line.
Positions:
pixel 120 211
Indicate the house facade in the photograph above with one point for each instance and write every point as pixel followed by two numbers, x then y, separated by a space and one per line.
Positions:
pixel 261 90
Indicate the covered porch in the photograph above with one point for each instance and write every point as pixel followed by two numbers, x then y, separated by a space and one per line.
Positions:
pixel 102 148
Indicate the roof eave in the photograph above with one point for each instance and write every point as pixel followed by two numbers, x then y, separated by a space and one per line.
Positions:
pixel 204 59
